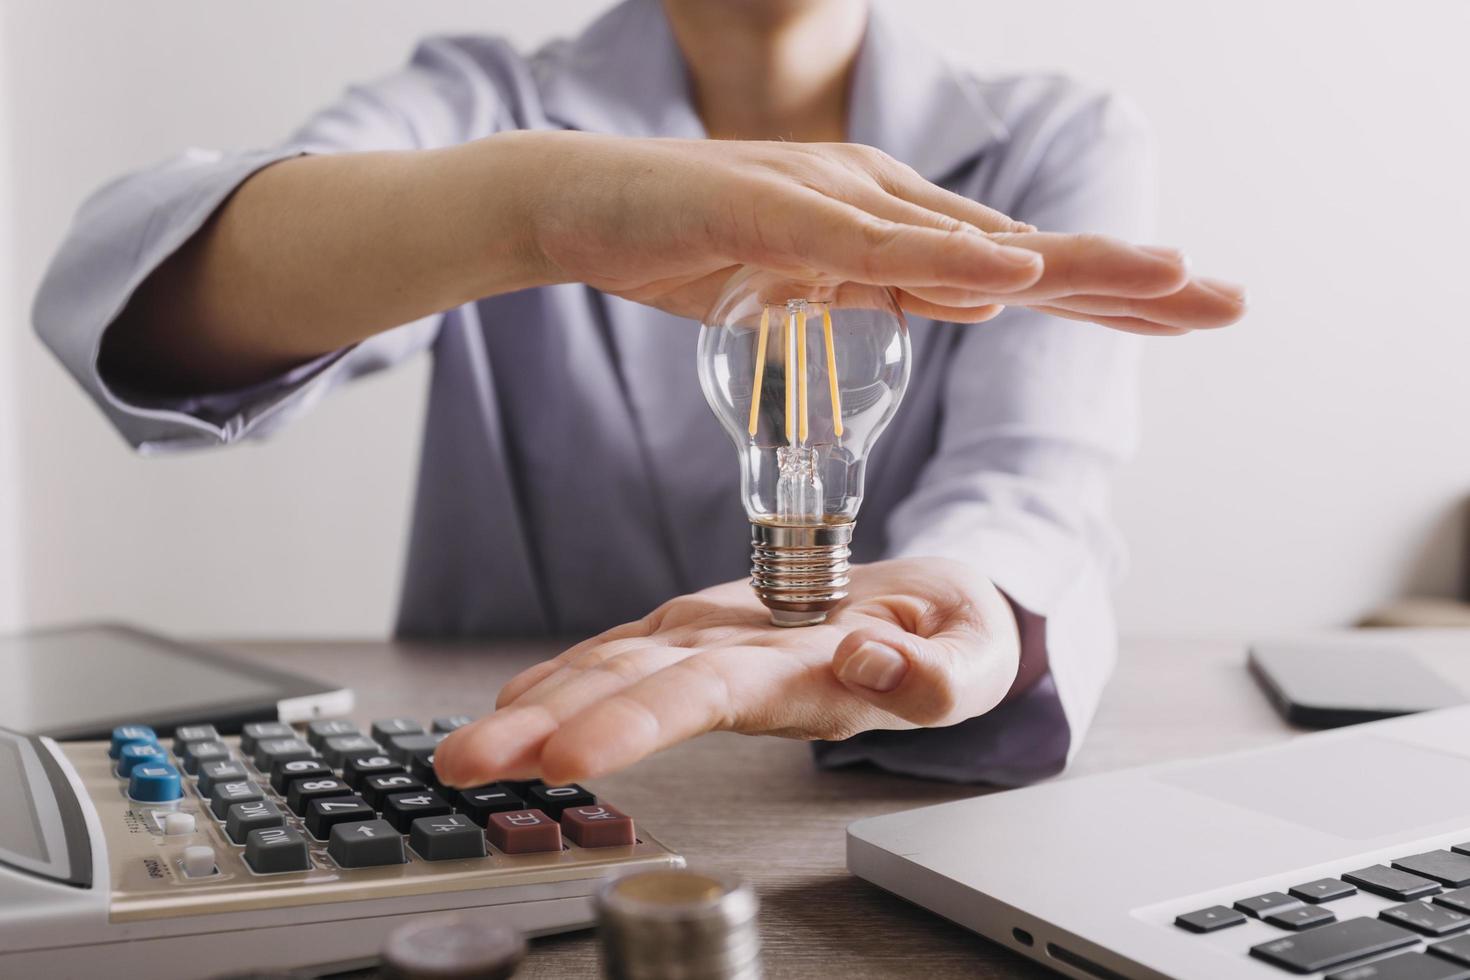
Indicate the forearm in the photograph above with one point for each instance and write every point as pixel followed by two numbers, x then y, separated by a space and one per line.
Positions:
pixel 316 253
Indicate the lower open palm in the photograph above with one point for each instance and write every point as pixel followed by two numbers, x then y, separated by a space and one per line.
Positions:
pixel 919 642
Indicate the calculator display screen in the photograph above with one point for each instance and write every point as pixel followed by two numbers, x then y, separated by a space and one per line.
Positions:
pixel 20 827
pixel 74 678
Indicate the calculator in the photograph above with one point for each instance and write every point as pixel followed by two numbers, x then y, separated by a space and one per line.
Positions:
pixel 284 847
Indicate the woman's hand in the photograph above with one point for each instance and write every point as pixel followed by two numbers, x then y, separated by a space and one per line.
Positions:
pixel 666 222
pixel 919 642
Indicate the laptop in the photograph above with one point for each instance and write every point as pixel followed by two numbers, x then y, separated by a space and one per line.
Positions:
pixel 1343 854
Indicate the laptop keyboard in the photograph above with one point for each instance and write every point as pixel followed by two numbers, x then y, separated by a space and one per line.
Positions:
pixel 1427 931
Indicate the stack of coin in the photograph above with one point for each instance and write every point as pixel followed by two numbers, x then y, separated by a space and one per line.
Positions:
pixel 678 925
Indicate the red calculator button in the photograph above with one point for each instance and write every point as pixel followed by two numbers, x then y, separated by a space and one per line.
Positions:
pixel 523 832
pixel 598 826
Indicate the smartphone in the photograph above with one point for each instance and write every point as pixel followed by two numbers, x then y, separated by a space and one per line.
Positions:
pixel 1327 684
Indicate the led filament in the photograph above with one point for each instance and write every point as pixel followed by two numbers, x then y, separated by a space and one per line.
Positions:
pixel 794 325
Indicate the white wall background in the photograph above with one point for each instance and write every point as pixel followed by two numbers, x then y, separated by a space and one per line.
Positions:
pixel 10 483
pixel 1296 470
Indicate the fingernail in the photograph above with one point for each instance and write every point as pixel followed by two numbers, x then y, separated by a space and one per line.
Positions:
pixel 876 667
pixel 1223 287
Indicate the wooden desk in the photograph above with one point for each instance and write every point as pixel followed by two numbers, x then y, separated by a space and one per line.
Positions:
pixel 758 807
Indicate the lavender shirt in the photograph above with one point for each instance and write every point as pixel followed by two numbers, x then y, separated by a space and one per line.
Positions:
pixel 571 476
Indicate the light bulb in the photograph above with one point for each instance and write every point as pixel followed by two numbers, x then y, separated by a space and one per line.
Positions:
pixel 804 378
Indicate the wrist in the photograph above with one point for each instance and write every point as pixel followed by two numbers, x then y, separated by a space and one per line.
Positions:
pixel 513 176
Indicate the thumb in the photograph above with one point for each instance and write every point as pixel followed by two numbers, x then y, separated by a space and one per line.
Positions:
pixel 930 681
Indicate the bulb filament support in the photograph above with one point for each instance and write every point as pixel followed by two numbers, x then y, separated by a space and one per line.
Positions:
pixel 800 572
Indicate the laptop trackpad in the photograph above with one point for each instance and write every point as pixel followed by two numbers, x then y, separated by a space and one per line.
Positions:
pixel 1358 788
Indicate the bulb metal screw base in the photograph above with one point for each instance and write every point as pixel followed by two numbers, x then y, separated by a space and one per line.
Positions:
pixel 800 573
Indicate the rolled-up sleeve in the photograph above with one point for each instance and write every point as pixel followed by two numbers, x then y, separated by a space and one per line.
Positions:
pixel 126 230
pixel 1038 412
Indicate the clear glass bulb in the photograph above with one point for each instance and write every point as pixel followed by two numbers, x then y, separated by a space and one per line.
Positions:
pixel 804 378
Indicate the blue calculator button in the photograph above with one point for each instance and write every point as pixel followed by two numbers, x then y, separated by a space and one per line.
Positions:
pixel 155 783
pixel 135 754
pixel 128 735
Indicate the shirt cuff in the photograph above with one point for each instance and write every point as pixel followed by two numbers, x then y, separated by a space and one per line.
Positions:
pixel 1019 742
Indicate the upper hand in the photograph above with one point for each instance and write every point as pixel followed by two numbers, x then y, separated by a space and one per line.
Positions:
pixel 919 642
pixel 665 223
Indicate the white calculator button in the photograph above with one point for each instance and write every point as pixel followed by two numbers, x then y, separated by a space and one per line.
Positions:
pixel 198 861
pixel 179 824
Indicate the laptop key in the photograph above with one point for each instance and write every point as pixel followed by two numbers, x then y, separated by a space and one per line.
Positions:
pixel 1459 900
pixel 1391 882
pixel 1404 966
pixel 1334 945
pixel 1457 949
pixel 1432 920
pixel 1210 919
pixel 1260 906
pixel 1322 890
pixel 1446 867
pixel 1301 917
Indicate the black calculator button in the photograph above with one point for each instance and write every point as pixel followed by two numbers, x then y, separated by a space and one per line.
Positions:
pixel 324 814
pixel 272 850
pixel 287 771
pixel 401 747
pixel 1456 950
pixel 376 789
pixel 185 734
pixel 1391 882
pixel 552 800
pixel 225 795
pixel 360 768
pixel 1301 917
pixel 1210 919
pixel 220 771
pixel 1334 945
pixel 366 844
pixel 1431 920
pixel 195 754
pixel 1446 867
pixel 339 748
pixel 446 838
pixel 480 802
pixel 1260 906
pixel 303 791
pixel 269 751
pixel 421 766
pixel 448 723
pixel 242 818
pixel 402 809
pixel 1322 890
pixel 386 728
pixel 317 732
pixel 255 732
pixel 1404 966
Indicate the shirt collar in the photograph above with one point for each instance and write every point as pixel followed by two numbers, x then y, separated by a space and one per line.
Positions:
pixel 626 75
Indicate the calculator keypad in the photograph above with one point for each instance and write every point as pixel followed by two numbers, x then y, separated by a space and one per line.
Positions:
pixel 330 796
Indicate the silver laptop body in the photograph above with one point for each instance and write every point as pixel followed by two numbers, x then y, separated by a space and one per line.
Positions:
pixel 1087 875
